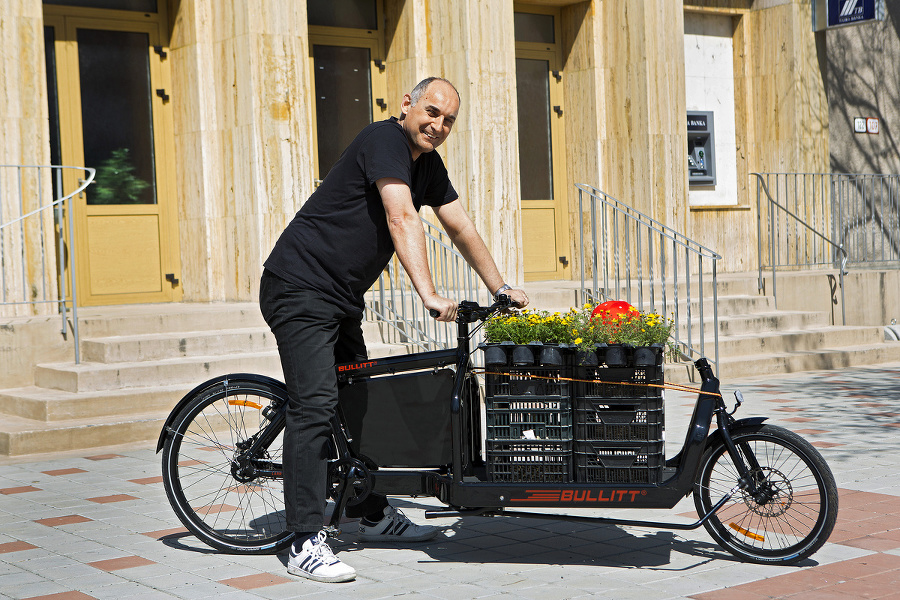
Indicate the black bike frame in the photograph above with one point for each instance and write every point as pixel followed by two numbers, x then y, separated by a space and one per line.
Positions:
pixel 461 492
pixel 458 491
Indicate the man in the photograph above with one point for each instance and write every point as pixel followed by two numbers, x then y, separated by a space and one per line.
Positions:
pixel 311 295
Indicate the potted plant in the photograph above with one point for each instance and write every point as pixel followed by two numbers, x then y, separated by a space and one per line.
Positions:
pixel 614 329
pixel 527 335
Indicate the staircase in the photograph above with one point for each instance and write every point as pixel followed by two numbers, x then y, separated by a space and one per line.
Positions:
pixel 138 361
pixel 755 338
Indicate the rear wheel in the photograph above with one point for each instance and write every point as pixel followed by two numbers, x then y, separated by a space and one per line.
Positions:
pixel 794 509
pixel 229 500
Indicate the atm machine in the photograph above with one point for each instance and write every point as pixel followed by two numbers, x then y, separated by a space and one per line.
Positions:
pixel 701 148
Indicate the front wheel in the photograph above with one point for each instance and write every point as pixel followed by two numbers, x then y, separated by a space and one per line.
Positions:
pixel 230 500
pixel 794 508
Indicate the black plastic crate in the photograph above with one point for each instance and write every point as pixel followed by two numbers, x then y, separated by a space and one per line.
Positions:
pixel 604 382
pixel 619 419
pixel 529 461
pixel 618 462
pixel 548 418
pixel 527 382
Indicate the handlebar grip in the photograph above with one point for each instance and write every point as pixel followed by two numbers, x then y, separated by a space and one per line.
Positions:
pixel 434 313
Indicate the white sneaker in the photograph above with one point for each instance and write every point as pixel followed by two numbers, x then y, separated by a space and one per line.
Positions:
pixel 316 561
pixel 394 527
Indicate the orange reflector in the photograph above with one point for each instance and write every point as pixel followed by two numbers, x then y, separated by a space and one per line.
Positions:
pixel 749 534
pixel 245 403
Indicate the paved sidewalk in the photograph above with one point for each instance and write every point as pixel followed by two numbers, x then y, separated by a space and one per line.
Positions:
pixel 98 525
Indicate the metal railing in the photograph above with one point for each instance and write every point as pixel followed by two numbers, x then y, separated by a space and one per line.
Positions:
pixel 866 217
pixel 798 208
pixel 34 221
pixel 393 302
pixel 652 265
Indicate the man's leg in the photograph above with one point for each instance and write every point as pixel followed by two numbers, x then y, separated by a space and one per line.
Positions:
pixel 351 347
pixel 379 521
pixel 306 329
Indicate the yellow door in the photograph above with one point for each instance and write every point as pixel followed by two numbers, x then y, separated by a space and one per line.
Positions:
pixel 541 145
pixel 112 103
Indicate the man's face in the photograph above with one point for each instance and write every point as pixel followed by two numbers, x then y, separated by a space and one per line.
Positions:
pixel 428 123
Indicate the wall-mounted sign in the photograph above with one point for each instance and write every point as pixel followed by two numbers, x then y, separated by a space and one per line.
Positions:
pixel 852 12
pixel 866 125
pixel 872 125
pixel 698 121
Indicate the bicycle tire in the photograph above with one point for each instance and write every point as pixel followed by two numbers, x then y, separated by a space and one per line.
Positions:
pixel 802 509
pixel 238 517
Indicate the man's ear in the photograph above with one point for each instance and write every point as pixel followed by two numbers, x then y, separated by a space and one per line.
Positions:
pixel 405 105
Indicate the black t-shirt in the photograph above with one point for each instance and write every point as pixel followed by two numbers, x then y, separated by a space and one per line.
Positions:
pixel 339 242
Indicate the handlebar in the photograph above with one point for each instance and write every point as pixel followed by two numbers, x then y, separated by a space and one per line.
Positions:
pixel 469 312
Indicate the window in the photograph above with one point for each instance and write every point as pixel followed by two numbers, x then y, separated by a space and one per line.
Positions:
pixel 346 50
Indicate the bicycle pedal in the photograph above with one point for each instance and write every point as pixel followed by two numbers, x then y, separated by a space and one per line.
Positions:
pixel 333 531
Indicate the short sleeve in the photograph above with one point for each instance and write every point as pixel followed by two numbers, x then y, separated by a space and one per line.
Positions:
pixel 385 153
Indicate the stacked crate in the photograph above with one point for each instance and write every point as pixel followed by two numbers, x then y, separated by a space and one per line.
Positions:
pixel 529 419
pixel 619 419
pixel 584 419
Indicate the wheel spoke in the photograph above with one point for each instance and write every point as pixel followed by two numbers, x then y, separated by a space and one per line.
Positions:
pixel 225 512
pixel 792 508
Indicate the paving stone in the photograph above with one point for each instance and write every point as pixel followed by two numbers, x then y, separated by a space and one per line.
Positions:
pixel 476 556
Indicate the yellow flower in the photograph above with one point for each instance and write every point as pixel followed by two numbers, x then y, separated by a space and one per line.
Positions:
pixel 577 340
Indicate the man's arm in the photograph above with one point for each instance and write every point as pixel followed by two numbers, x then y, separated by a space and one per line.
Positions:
pixel 409 243
pixel 465 237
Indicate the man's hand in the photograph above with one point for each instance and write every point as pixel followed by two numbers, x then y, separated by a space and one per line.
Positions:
pixel 444 306
pixel 517 296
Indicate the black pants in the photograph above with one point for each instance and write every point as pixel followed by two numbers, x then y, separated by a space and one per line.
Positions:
pixel 313 335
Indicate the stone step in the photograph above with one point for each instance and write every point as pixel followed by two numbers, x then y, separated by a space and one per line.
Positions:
pixel 729 284
pixel 42 404
pixel 19 436
pixel 106 321
pixel 798 341
pixel 779 363
pixel 759 323
pixel 158 346
pixel 91 377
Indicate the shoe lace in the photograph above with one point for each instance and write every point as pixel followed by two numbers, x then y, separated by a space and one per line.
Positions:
pixel 320 549
pixel 395 515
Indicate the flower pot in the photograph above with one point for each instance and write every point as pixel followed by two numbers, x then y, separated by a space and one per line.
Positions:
pixel 495 355
pixel 589 358
pixel 616 356
pixel 551 356
pixel 522 356
pixel 646 356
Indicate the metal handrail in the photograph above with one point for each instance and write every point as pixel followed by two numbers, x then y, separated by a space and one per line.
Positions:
pixel 629 239
pixel 801 244
pixel 866 216
pixel 393 301
pixel 15 234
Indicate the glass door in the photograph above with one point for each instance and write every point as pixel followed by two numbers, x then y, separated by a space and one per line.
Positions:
pixel 541 147
pixel 347 59
pixel 112 99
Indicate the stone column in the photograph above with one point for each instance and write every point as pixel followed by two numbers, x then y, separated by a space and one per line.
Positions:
pixel 789 103
pixel 471 43
pixel 243 137
pixel 26 141
pixel 644 132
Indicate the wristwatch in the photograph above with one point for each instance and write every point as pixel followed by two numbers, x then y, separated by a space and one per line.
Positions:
pixel 502 289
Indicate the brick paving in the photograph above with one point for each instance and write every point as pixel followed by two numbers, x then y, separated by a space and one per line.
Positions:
pixel 82 526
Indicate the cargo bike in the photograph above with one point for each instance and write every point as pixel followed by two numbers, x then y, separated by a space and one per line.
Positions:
pixel 557 430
